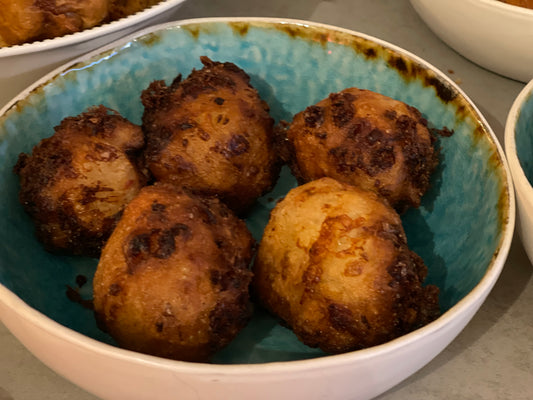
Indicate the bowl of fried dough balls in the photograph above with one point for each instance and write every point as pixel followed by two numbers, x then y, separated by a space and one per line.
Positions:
pixel 232 208
pixel 494 34
pixel 37 36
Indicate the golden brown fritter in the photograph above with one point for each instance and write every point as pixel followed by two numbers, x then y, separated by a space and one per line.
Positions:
pixel 334 265
pixel 24 21
pixel 211 133
pixel 173 278
pixel 366 139
pixel 76 183
pixel 122 8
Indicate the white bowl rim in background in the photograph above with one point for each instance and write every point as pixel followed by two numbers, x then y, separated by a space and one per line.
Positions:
pixel 505 6
pixel 519 176
pixel 490 33
pixel 522 185
pixel 90 33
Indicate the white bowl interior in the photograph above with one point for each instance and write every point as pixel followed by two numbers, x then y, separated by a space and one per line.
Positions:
pixel 492 34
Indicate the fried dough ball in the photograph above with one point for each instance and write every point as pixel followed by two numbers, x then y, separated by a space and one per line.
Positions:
pixel 122 8
pixel 334 265
pixel 173 278
pixel 211 133
pixel 24 21
pixel 366 139
pixel 76 183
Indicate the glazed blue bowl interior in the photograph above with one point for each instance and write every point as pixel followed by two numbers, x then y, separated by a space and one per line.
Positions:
pixel 524 137
pixel 457 230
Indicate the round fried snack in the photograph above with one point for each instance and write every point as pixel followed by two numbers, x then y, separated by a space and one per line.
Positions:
pixel 24 21
pixel 211 133
pixel 122 8
pixel 76 183
pixel 366 139
pixel 173 278
pixel 334 265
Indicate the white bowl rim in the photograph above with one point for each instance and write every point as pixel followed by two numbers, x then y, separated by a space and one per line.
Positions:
pixel 519 176
pixel 477 294
pixel 507 6
pixel 496 4
pixel 91 33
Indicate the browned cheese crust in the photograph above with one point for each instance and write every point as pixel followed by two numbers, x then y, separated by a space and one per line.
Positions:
pixel 211 133
pixel 366 139
pixel 173 278
pixel 76 183
pixel 334 265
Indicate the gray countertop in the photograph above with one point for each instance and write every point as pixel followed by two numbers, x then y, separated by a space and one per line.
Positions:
pixel 493 357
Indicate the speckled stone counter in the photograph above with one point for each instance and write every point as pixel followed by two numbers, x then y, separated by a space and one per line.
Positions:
pixel 492 358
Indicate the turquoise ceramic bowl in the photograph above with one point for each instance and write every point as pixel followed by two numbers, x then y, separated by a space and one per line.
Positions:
pixel 462 230
pixel 519 150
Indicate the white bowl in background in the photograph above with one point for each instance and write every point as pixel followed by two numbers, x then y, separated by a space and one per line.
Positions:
pixel 495 35
pixel 21 65
pixel 519 151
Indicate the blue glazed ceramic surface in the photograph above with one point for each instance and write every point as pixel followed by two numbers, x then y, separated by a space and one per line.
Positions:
pixel 524 137
pixel 457 230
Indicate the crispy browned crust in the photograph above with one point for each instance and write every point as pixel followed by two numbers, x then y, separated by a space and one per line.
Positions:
pixel 173 278
pixel 363 138
pixel 334 265
pixel 211 133
pixel 122 8
pixel 76 183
